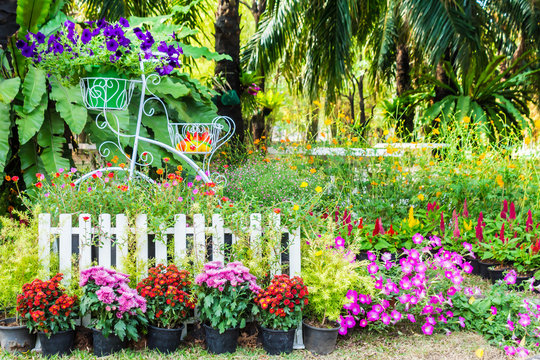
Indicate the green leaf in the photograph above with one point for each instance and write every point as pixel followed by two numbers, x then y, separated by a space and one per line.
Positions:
pixel 31 164
pixel 197 52
pixel 5 133
pixel 51 139
pixel 29 123
pixel 120 330
pixel 463 107
pixel 9 89
pixel 171 86
pixel 69 105
pixel 34 87
pixel 31 14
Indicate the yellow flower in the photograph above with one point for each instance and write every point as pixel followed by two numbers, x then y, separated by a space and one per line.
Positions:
pixel 479 352
pixel 437 119
pixel 436 131
pixel 318 253
pixel 385 132
pixel 354 139
pixel 313 171
pixel 334 141
pixel 308 146
pixel 421 197
pixel 293 167
pixel 296 207
pixel 303 184
pixel 328 121
pixel 438 193
pixel 318 189
pixel 499 180
pixel 466 119
pixel 317 103
pixel 341 115
pixel 468 226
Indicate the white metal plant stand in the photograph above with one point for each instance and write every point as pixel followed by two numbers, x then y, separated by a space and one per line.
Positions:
pixel 109 95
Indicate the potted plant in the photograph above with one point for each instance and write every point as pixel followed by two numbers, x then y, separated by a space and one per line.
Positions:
pixel 102 56
pixel 168 305
pixel 329 272
pixel 50 312
pixel 116 309
pixel 280 311
pixel 19 263
pixel 225 296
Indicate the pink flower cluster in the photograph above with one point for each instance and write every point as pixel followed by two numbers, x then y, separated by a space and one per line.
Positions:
pixel 416 290
pixel 218 276
pixel 113 290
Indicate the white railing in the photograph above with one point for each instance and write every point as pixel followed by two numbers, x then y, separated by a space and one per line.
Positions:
pixel 99 241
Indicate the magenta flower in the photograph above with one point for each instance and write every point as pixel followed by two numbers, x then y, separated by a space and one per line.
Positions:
pixel 465 210
pixel 427 329
pixel 467 246
pixel 493 310
pixel 461 321
pixel 396 315
pixel 377 308
pixel 511 277
pixel 362 323
pixel 373 268
pixel 340 242
pixel 371 256
pixel 524 320
pixel 417 238
pixel 510 325
pixel 372 315
pixel 411 318
pixel 350 322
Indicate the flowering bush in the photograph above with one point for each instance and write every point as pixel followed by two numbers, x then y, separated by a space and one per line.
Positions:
pixel 46 307
pixel 71 54
pixel 226 295
pixel 115 307
pixel 418 287
pixel 507 318
pixel 168 301
pixel 281 303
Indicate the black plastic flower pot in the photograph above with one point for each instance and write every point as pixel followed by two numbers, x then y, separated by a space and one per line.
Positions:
pixel 277 342
pixel 14 339
pixel 475 266
pixel 496 274
pixel 484 269
pixel 60 343
pixel 104 346
pixel 320 341
pixel 221 343
pixel 164 340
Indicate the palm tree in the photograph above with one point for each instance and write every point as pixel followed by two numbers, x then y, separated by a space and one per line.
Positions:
pixel 318 59
pixel 227 34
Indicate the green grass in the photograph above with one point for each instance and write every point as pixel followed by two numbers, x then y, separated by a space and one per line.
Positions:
pixel 360 345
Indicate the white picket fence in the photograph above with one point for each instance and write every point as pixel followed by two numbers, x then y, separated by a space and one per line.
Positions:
pixel 112 244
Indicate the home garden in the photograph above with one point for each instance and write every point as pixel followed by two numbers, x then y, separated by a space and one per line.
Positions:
pixel 212 178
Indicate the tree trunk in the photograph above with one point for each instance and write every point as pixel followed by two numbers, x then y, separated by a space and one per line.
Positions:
pixel 313 128
pixel 227 34
pixel 441 93
pixel 8 25
pixel 405 124
pixel 362 105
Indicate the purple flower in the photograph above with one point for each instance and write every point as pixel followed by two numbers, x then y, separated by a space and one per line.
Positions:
pixel 112 45
pixel 86 36
pixel 40 38
pixel 106 295
pixel 123 22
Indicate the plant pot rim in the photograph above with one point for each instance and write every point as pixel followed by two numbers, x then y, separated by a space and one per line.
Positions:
pixel 9 321
pixel 322 329
pixel 210 327
pixel 165 329
pixel 56 333
pixel 277 330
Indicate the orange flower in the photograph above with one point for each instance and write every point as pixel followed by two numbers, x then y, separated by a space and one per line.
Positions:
pixel 8 178
pixel 159 171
